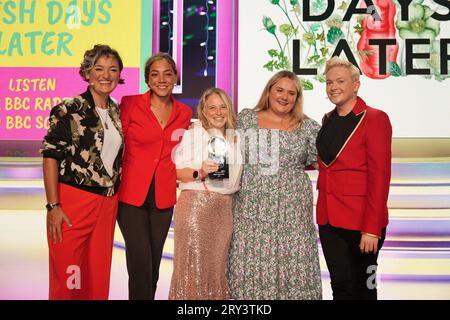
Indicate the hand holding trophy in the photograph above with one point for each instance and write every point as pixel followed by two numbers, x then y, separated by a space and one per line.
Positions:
pixel 218 150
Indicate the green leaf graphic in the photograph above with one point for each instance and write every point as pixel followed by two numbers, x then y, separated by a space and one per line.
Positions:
pixel 306 84
pixel 394 69
pixel 321 78
pixel 272 53
pixel 314 27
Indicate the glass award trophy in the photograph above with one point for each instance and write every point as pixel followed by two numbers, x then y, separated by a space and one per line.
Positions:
pixel 218 152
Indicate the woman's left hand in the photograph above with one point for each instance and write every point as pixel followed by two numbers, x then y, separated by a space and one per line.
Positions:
pixel 55 218
pixel 368 244
pixel 209 166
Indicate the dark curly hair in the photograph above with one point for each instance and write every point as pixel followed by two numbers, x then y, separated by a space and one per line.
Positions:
pixel 91 56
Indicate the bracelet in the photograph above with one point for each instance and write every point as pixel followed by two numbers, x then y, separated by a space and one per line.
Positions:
pixel 200 175
pixel 371 235
pixel 51 206
pixel 203 180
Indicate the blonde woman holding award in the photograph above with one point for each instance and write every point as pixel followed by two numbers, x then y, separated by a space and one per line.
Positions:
pixel 208 165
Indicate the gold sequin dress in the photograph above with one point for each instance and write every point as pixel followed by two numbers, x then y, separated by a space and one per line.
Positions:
pixel 203 228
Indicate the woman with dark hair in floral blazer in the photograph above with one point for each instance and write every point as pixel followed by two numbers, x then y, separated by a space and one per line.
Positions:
pixel 82 164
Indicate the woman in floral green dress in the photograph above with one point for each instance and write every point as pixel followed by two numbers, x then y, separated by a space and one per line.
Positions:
pixel 274 253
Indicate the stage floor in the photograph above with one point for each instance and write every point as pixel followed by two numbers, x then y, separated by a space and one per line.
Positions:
pixel 24 267
pixel 413 264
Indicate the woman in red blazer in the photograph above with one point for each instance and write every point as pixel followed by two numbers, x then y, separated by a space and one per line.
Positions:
pixel 354 153
pixel 152 125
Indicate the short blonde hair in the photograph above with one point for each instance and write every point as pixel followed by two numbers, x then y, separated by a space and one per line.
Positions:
pixel 339 62
pixel 231 118
pixel 297 115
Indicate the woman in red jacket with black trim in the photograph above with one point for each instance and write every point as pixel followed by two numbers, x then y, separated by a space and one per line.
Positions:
pixel 151 124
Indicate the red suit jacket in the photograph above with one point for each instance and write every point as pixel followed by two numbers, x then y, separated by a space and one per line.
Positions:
pixel 148 150
pixel 354 188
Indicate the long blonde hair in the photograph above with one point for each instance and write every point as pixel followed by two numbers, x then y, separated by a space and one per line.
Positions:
pixel 297 115
pixel 231 118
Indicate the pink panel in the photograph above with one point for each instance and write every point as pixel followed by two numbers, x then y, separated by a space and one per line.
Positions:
pixel 156 24
pixel 227 54
pixel 23 113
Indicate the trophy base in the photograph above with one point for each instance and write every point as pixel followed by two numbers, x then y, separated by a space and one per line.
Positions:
pixel 222 173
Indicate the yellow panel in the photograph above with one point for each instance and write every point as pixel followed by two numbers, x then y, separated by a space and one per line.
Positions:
pixel 57 33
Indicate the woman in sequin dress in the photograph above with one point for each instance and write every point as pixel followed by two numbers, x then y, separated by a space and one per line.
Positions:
pixel 274 253
pixel 203 215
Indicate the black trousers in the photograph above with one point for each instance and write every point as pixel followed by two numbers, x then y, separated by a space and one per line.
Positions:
pixel 144 230
pixel 352 273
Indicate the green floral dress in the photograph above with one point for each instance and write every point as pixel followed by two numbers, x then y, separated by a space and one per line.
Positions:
pixel 274 253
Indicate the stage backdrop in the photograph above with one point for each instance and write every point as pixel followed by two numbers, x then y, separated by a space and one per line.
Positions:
pixel 279 34
pixel 42 44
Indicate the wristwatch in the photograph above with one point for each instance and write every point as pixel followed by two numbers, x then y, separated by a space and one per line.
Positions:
pixel 51 206
pixel 195 174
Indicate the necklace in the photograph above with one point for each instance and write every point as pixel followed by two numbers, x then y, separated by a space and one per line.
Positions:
pixel 161 107
pixel 104 121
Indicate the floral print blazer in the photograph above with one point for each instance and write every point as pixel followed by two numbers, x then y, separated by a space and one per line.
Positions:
pixel 75 139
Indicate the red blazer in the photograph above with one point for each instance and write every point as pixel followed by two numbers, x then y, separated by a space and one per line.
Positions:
pixel 148 150
pixel 354 188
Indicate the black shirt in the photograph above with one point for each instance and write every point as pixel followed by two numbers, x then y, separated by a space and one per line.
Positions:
pixel 334 133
